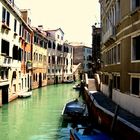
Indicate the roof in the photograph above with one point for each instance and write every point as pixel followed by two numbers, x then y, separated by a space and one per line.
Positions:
pixel 40 32
pixel 54 30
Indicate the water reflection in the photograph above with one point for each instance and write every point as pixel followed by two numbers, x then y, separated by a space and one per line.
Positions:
pixel 38 117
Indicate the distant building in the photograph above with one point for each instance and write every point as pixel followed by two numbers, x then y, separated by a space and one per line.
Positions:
pixel 59 57
pixel 121 52
pixel 96 47
pixel 87 60
pixel 39 58
pixel 26 34
pixel 82 54
pixel 76 71
pixel 15 51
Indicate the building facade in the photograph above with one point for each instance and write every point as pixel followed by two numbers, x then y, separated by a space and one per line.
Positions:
pixel 82 54
pixel 87 60
pixel 59 57
pixel 15 35
pixel 26 34
pixel 121 52
pixel 39 61
pixel 96 48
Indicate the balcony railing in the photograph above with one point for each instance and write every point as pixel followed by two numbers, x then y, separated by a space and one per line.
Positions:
pixel 5 61
pixel 4 82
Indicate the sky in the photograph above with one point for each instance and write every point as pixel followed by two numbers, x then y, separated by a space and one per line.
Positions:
pixel 74 17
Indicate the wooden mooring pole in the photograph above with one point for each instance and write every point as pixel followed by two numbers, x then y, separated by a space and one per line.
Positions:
pixel 114 118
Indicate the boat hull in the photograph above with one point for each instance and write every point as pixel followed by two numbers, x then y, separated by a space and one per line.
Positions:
pixel 87 134
pixel 74 110
pixel 25 94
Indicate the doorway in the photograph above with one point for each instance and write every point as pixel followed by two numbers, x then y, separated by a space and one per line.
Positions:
pixel 40 80
pixel 110 88
pixel 5 94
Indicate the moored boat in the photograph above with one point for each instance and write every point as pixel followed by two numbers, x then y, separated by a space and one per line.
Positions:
pixel 68 81
pixel 74 109
pixel 87 133
pixel 77 86
pixel 25 94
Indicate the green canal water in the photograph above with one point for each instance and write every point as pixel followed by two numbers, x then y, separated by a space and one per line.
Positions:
pixel 38 117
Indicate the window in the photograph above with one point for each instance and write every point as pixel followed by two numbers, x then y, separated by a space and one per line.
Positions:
pixel 2 74
pixel 53 45
pixel 5 47
pixel 106 79
pixel 118 53
pixel 5 16
pixel 116 82
pixel 48 70
pixel 35 39
pixel 15 25
pixel 41 43
pixel 20 54
pixel 29 37
pixel 36 77
pixel 14 75
pixel 135 4
pixel 49 44
pixel 15 52
pixel 45 45
pixel 114 55
pixel 8 18
pixel 36 56
pixel 25 82
pixel 118 12
pixel 53 59
pixel 136 48
pixel 20 29
pixel 66 61
pixel 49 59
pixel 25 57
pixel 22 34
pixel 52 70
pixel 135 86
pixel 22 82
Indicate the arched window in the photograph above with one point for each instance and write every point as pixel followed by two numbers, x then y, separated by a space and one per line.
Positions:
pixel 49 44
pixel 53 45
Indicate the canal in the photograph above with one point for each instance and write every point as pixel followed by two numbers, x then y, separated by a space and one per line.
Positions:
pixel 38 117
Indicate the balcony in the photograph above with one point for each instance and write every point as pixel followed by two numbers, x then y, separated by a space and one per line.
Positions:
pixel 5 26
pixel 109 37
pixel 4 82
pixel 5 61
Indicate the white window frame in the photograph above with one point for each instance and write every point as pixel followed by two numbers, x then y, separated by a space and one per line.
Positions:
pixel 132 52
pixel 134 75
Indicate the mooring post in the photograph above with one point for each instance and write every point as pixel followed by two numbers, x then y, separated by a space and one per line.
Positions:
pixel 114 118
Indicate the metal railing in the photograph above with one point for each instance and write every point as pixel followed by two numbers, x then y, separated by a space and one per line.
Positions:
pixel 5 61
